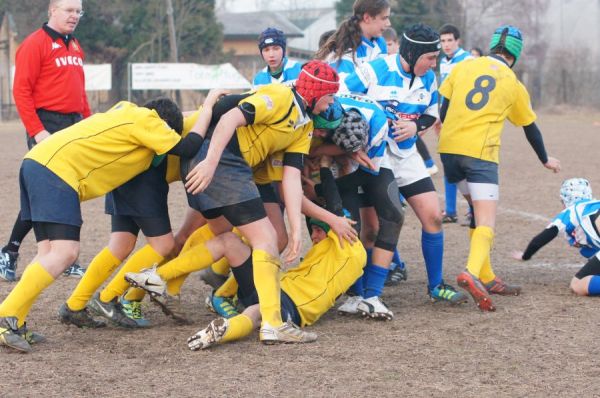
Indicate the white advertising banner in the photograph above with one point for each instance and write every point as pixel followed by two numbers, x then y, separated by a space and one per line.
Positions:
pixel 98 77
pixel 181 76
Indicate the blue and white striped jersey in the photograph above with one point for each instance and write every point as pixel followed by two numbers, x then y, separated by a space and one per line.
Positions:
pixel 367 51
pixel 378 126
pixel 447 64
pixel 386 82
pixel 291 70
pixel 577 228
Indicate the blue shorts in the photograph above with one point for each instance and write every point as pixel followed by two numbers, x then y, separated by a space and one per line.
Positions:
pixel 289 311
pixel 459 167
pixel 232 183
pixel 145 195
pixel 45 197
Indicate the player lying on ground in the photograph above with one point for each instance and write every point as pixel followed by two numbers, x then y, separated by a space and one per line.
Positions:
pixel 82 162
pixel 308 290
pixel 579 224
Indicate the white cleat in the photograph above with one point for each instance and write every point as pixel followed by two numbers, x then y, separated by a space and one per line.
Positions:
pixel 148 280
pixel 209 336
pixel 374 308
pixel 350 307
pixel 288 332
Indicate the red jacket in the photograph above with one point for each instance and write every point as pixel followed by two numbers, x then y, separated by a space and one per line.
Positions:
pixel 49 75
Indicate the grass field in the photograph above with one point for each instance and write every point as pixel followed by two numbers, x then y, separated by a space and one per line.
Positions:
pixel 542 343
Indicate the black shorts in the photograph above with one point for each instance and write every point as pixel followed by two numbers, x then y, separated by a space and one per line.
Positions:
pixel 145 195
pixel 150 226
pixel 268 194
pixel 239 214
pixel 53 122
pixel 459 167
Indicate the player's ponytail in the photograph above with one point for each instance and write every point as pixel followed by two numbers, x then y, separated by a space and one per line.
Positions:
pixel 348 36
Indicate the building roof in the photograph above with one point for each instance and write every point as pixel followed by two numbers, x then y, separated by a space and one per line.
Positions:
pixel 251 24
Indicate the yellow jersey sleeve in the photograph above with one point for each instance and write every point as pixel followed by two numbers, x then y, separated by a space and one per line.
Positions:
pixel 155 134
pixel 521 113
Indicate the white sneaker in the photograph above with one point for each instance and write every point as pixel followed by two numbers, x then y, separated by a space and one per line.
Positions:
pixel 350 307
pixel 148 280
pixel 432 170
pixel 209 336
pixel 374 308
pixel 288 332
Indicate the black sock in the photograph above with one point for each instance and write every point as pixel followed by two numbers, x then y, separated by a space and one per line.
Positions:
pixel 19 232
pixel 244 275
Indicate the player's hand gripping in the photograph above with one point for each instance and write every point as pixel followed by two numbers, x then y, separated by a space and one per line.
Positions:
pixel 343 227
pixel 552 164
pixel 292 251
pixel 200 176
pixel 362 158
pixel 404 129
pixel 214 95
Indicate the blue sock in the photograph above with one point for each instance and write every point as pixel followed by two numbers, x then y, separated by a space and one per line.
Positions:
pixel 450 193
pixel 396 261
pixel 594 286
pixel 429 163
pixel 358 288
pixel 432 246
pixel 376 276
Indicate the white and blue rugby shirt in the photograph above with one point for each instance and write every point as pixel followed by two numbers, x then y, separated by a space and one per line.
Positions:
pixel 577 228
pixel 447 64
pixel 289 75
pixel 367 51
pixel 386 82
pixel 372 113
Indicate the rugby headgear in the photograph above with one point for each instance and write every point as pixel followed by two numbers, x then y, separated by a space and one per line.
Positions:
pixel 508 38
pixel 419 39
pixel 316 80
pixel 330 118
pixel 321 224
pixel 272 37
pixel 353 133
pixel 574 190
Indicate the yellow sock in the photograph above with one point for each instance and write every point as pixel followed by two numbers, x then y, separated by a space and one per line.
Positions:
pixel 135 294
pixel 266 280
pixel 227 289
pixel 101 267
pixel 174 285
pixel 481 245
pixel 239 327
pixel 33 281
pixel 199 236
pixel 195 259
pixel 487 273
pixel 221 267
pixel 143 258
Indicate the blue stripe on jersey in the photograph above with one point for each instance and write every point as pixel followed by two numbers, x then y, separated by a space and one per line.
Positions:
pixel 378 125
pixel 575 224
pixel 447 64
pixel 386 82
pixel 291 70
pixel 367 51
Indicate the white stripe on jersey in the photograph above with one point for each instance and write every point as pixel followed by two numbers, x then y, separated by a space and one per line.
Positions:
pixel 576 226
pixel 447 64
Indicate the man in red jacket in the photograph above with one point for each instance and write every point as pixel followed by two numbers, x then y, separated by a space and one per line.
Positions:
pixel 49 91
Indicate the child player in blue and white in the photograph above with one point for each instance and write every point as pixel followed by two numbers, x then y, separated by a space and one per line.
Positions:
pixel 579 224
pixel 453 54
pixel 272 45
pixel 358 39
pixel 405 86
pixel 364 118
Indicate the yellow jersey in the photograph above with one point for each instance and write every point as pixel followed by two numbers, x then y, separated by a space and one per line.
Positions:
pixel 483 92
pixel 326 272
pixel 105 150
pixel 280 125
pixel 270 170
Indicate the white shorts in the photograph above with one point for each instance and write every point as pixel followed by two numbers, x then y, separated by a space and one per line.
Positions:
pixel 407 170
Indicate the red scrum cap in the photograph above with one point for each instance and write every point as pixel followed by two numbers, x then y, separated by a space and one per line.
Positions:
pixel 316 80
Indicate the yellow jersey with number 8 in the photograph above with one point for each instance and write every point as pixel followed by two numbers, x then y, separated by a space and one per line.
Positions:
pixel 483 92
